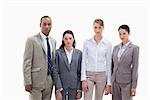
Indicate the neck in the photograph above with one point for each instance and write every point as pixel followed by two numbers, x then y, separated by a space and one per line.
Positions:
pixel 124 42
pixel 69 48
pixel 46 34
pixel 97 38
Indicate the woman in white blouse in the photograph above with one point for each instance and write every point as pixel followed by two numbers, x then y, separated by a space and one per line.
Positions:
pixel 96 64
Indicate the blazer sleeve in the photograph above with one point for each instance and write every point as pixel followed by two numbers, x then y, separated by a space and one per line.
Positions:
pixel 79 84
pixel 135 64
pixel 112 62
pixel 58 84
pixel 27 62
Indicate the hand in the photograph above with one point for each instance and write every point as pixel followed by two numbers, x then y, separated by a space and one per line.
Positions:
pixel 28 88
pixel 85 86
pixel 58 95
pixel 107 89
pixel 133 92
pixel 79 95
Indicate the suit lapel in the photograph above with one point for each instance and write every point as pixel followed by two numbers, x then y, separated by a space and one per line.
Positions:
pixel 65 59
pixel 74 57
pixel 52 42
pixel 125 52
pixel 116 53
pixel 41 42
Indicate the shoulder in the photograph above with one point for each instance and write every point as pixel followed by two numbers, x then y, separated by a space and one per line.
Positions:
pixel 52 39
pixel 116 46
pixel 60 50
pixel 106 42
pixel 32 38
pixel 87 40
pixel 78 51
pixel 135 47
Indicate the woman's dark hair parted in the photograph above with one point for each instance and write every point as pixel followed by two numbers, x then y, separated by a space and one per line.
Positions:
pixel 68 32
pixel 126 27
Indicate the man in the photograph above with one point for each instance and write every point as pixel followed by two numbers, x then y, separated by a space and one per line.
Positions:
pixel 39 58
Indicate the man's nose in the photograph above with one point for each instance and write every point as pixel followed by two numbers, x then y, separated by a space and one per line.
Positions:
pixel 47 26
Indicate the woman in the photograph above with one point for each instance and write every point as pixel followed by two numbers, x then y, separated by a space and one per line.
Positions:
pixel 125 66
pixel 68 65
pixel 96 64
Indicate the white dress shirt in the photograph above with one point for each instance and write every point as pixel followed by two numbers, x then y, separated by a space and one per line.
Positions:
pixel 45 42
pixel 69 55
pixel 96 58
pixel 122 49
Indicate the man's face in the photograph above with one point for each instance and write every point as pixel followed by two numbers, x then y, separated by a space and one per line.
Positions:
pixel 46 25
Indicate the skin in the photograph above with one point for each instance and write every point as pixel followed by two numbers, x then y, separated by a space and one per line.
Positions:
pixel 98 29
pixel 68 40
pixel 124 36
pixel 45 25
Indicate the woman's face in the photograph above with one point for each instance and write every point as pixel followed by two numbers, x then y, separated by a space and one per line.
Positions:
pixel 124 35
pixel 98 28
pixel 68 40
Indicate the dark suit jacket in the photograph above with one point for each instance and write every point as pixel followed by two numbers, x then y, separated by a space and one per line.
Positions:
pixel 126 70
pixel 68 75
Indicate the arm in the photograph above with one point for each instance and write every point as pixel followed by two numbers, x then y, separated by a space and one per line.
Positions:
pixel 109 64
pixel 27 64
pixel 135 63
pixel 83 67
pixel 108 69
pixel 84 62
pixel 56 72
pixel 112 62
pixel 57 81
pixel 79 86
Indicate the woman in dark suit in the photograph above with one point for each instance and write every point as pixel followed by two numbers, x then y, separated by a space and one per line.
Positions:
pixel 68 65
pixel 125 66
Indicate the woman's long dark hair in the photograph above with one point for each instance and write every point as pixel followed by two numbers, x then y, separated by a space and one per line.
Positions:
pixel 63 44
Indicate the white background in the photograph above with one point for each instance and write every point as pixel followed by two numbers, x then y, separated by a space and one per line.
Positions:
pixel 20 20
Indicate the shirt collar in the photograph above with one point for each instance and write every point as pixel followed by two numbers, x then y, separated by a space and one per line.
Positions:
pixel 43 36
pixel 102 40
pixel 68 52
pixel 124 46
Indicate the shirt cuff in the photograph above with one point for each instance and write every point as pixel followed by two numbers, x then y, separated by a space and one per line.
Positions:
pixel 83 77
pixel 108 82
pixel 59 90
pixel 79 90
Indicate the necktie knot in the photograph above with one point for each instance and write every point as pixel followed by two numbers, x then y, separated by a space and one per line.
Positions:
pixel 47 38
